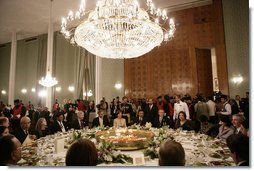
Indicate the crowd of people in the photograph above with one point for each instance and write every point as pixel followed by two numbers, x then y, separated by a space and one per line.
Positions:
pixel 224 118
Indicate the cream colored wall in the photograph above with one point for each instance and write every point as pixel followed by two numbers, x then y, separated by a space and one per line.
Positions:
pixel 236 23
pixel 5 53
pixel 112 73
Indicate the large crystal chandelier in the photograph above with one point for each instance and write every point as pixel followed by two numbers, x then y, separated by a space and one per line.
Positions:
pixel 118 28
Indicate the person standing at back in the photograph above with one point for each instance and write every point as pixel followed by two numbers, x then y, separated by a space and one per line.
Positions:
pixel 180 106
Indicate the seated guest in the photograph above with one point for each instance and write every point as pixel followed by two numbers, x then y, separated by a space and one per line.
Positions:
pixel 171 153
pixel 41 128
pixel 161 120
pixel 4 131
pixel 205 125
pixel 10 150
pixel 119 122
pixel 59 125
pixel 101 120
pixel 4 121
pixel 182 122
pixel 141 120
pixel 237 121
pixel 79 122
pixel 82 153
pixel 226 129
pixel 239 148
pixel 24 130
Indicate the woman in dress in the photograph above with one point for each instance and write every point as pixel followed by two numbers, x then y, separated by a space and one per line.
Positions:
pixel 119 122
pixel 182 122
pixel 41 129
pixel 226 129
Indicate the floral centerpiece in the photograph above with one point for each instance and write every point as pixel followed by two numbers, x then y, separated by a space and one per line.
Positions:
pixel 107 154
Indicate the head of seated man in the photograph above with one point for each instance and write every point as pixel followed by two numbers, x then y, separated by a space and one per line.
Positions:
pixel 82 153
pixel 171 153
pixel 10 150
pixel 239 148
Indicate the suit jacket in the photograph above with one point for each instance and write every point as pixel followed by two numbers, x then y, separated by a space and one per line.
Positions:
pixel 96 122
pixel 75 124
pixel 158 124
pixel 20 134
pixel 142 123
pixel 56 127
pixel 150 114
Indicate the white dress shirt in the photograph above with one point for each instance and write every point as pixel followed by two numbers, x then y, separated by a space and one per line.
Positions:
pixel 181 106
pixel 101 122
pixel 61 124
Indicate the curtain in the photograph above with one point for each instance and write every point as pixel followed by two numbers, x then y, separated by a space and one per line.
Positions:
pixel 41 65
pixel 79 72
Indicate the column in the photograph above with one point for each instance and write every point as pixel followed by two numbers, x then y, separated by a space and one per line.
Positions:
pixel 49 65
pixel 12 69
pixel 98 73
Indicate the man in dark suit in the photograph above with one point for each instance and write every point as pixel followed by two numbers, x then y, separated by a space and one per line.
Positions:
pixel 140 119
pixel 59 125
pixel 151 111
pixel 79 123
pixel 161 120
pixel 23 131
pixel 101 120
pixel 239 148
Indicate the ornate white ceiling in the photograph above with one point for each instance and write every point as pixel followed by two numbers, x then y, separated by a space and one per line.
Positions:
pixel 30 17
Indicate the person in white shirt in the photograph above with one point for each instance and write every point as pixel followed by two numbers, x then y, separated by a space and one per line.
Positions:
pixel 211 108
pixel 226 109
pixel 180 106
pixel 119 122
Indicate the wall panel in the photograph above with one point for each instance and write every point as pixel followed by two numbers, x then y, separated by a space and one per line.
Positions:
pixel 172 67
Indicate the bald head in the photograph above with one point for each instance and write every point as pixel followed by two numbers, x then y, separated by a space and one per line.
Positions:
pixel 171 153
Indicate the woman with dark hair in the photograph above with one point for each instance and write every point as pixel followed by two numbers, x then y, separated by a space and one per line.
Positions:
pixel 182 122
pixel 119 122
pixel 226 129
pixel 4 131
pixel 82 153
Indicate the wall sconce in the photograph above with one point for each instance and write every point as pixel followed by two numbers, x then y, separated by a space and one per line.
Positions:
pixel 24 91
pixel 89 94
pixel 237 79
pixel 3 92
pixel 58 89
pixel 71 88
pixel 33 90
pixel 118 86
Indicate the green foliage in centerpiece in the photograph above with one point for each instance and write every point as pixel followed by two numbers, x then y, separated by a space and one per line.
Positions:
pixel 108 154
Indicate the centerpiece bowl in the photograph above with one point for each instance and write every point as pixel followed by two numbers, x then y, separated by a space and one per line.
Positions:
pixel 126 139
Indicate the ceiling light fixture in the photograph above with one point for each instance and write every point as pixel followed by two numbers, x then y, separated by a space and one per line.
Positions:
pixel 119 28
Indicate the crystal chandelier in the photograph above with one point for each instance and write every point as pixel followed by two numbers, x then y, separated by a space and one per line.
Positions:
pixel 118 28
pixel 49 81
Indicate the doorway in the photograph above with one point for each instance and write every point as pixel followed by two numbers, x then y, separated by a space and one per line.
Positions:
pixel 204 71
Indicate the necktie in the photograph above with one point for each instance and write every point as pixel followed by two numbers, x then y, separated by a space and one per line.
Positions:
pixel 81 125
pixel 61 125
